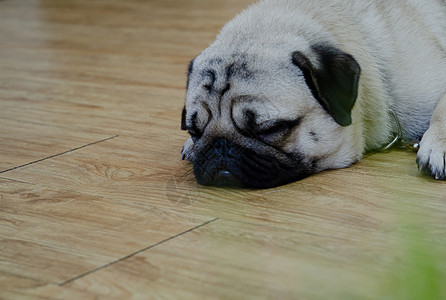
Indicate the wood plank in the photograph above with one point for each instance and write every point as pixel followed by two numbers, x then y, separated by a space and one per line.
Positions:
pixel 382 187
pixel 102 117
pixel 97 56
pixel 17 138
pixel 72 226
pixel 55 235
pixel 232 260
pixel 14 287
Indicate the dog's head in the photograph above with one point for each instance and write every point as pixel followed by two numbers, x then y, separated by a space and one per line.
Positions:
pixel 266 119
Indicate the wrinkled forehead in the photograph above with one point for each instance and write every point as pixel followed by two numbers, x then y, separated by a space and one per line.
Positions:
pixel 266 85
pixel 215 73
pixel 224 67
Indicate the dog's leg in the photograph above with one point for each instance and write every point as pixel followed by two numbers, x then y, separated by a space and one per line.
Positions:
pixel 186 152
pixel 432 154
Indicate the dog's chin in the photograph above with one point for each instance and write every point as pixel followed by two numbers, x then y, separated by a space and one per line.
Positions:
pixel 241 167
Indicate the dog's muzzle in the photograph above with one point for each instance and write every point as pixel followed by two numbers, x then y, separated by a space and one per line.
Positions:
pixel 220 166
pixel 223 162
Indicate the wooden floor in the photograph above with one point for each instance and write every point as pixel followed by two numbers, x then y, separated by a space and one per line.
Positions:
pixel 96 203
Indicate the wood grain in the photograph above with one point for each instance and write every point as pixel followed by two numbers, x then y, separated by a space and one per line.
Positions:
pixel 230 260
pixel 57 235
pixel 320 204
pixel 16 287
pixel 18 137
pixel 95 202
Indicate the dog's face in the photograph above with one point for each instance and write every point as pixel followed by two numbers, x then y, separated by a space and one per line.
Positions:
pixel 264 120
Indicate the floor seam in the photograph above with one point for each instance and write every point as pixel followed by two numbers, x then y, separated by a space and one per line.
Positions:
pixel 135 253
pixel 59 154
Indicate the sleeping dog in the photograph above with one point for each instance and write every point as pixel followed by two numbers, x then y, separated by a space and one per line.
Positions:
pixel 293 87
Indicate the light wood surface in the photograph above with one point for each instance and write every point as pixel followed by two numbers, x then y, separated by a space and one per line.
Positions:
pixel 95 202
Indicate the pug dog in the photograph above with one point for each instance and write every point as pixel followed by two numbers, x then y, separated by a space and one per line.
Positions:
pixel 290 88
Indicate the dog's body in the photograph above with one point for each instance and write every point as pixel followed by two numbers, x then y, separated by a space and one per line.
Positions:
pixel 293 87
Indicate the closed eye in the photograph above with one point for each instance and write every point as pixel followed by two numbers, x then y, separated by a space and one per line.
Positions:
pixel 193 134
pixel 193 128
pixel 279 129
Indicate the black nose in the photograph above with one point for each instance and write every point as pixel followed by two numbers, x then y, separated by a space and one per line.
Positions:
pixel 222 146
pixel 226 178
pixel 220 164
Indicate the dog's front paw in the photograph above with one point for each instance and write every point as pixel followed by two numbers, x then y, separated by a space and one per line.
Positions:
pixel 186 152
pixel 431 157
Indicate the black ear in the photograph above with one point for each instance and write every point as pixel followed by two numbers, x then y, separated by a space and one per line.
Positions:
pixel 183 114
pixel 189 71
pixel 334 83
pixel 183 119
